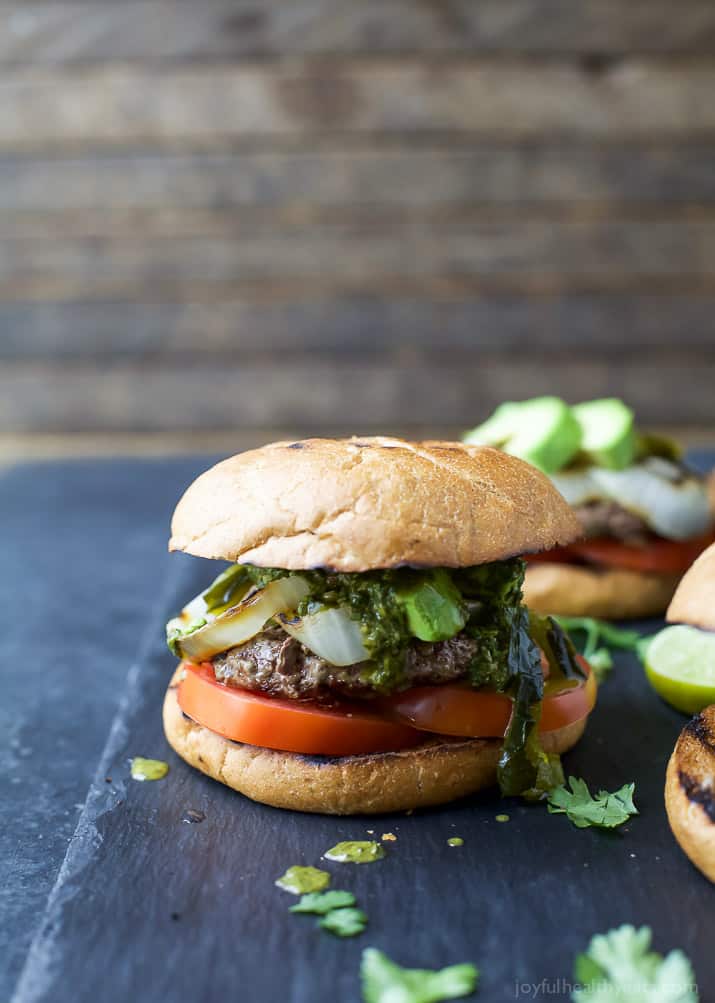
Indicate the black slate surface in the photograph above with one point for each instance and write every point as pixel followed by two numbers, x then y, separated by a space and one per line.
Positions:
pixel 83 547
pixel 150 907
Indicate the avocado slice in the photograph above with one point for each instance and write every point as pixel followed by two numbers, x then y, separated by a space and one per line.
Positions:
pixel 548 435
pixel 499 428
pixel 434 607
pixel 542 431
pixel 607 431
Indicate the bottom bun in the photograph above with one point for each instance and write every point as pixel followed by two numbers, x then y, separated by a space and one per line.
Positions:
pixel 441 769
pixel 690 791
pixel 611 593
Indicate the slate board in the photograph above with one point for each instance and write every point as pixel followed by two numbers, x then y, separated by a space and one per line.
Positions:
pixel 83 547
pixel 148 907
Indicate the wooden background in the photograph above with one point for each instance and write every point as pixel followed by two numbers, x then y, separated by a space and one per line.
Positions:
pixel 224 216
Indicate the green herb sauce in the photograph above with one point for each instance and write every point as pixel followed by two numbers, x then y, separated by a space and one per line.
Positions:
pixel 356 852
pixel 148 769
pixel 301 880
pixel 507 661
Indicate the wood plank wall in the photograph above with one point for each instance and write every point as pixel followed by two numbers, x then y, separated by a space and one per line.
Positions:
pixel 234 213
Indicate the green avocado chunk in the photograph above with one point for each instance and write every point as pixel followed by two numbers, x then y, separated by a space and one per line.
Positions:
pixel 433 607
pixel 607 434
pixel 499 428
pixel 543 431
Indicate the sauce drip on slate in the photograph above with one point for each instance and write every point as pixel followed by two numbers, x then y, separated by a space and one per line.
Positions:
pixel 148 769
pixel 356 852
pixel 301 880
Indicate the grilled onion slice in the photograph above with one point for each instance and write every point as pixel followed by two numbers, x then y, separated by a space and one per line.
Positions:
pixel 242 622
pixel 329 633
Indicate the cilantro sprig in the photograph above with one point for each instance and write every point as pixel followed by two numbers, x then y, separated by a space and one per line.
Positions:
pixel 605 811
pixel 321 903
pixel 336 909
pixel 597 637
pixel 619 967
pixel 344 922
pixel 383 981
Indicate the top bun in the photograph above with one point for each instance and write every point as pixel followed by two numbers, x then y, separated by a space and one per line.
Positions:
pixel 694 599
pixel 364 503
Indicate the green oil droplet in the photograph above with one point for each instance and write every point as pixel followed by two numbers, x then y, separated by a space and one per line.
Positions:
pixel 502 818
pixel 455 841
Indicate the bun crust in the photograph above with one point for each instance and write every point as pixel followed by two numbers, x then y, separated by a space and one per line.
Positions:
pixel 357 504
pixel 440 770
pixel 694 599
pixel 609 593
pixel 690 791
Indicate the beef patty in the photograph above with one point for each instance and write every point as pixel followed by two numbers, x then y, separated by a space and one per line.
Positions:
pixel 277 664
pixel 607 518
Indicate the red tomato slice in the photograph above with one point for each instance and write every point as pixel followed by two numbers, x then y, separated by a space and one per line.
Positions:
pixel 658 555
pixel 288 725
pixel 350 729
pixel 458 710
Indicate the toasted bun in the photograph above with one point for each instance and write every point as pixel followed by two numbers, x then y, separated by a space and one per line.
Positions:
pixel 440 770
pixel 611 593
pixel 357 504
pixel 690 791
pixel 694 600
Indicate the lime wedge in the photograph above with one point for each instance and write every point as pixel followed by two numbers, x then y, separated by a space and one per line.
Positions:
pixel 680 665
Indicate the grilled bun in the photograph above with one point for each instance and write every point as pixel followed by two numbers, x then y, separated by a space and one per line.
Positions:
pixel 610 593
pixel 365 503
pixel 690 791
pixel 435 772
pixel 694 600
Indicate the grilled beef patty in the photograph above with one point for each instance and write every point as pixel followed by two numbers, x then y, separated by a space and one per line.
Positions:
pixel 277 664
pixel 606 518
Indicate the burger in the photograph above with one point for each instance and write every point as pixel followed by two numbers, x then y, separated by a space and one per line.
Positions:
pixel 690 777
pixel 367 648
pixel 644 515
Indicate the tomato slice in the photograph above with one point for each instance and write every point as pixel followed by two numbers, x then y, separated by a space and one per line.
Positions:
pixel 657 555
pixel 451 709
pixel 288 725
pixel 398 722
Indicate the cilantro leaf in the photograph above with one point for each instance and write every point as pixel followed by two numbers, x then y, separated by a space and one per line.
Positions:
pixel 605 810
pixel 385 982
pixel 344 922
pixel 619 967
pixel 642 646
pixel 599 632
pixel 601 661
pixel 320 903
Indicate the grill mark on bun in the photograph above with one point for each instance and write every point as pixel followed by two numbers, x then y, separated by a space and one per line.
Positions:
pixel 296 445
pixel 699 729
pixel 698 793
pixel 316 760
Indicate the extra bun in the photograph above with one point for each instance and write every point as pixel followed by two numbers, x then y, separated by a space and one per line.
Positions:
pixel 357 504
pixel 440 770
pixel 694 600
pixel 610 593
pixel 690 791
